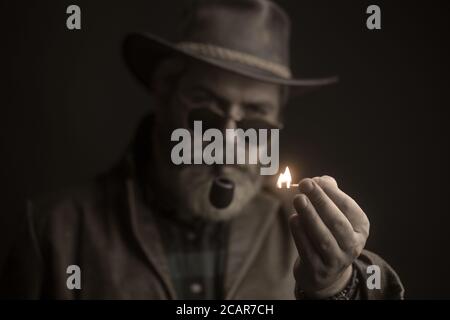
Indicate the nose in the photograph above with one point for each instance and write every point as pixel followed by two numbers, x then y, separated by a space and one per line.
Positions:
pixel 230 124
pixel 235 114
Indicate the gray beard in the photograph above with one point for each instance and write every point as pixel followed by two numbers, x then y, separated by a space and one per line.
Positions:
pixel 193 187
pixel 185 189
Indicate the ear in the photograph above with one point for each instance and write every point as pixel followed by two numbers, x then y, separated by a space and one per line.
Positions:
pixel 165 76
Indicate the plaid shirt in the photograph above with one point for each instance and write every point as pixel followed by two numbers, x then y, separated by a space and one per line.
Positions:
pixel 196 256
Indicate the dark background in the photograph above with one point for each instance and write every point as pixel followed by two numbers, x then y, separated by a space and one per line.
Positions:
pixel 69 108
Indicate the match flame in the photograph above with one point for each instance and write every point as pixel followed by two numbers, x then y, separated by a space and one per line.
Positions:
pixel 285 178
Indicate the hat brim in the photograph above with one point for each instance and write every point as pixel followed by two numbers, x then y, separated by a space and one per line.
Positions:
pixel 142 53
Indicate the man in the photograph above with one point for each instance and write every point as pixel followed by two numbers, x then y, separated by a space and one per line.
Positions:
pixel 148 228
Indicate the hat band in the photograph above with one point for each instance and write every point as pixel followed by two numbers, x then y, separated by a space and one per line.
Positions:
pixel 216 52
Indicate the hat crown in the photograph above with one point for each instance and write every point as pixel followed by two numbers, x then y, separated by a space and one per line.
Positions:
pixel 255 27
pixel 247 37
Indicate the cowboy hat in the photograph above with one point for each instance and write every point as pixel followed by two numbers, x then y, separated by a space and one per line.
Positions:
pixel 248 37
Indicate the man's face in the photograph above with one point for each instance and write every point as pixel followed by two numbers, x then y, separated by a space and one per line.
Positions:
pixel 221 100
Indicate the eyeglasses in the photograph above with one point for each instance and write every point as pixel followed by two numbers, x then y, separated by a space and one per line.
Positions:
pixel 213 117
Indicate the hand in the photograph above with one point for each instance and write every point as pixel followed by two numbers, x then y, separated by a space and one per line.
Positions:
pixel 330 231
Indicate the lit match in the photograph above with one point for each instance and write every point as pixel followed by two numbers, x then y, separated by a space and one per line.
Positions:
pixel 285 178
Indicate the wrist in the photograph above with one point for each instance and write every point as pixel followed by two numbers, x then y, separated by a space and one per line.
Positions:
pixel 339 286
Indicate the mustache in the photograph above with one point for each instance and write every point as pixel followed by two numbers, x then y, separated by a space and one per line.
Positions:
pixel 250 171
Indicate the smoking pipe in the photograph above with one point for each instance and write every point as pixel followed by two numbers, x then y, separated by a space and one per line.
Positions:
pixel 221 193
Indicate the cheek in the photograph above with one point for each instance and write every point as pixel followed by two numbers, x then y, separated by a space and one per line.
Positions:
pixel 275 115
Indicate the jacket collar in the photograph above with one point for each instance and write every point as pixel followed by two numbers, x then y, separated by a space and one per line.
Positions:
pixel 247 232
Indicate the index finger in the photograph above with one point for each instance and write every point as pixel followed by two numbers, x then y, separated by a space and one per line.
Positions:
pixel 346 204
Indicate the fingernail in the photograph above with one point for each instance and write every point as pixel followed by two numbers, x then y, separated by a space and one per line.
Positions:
pixel 301 202
pixel 306 185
